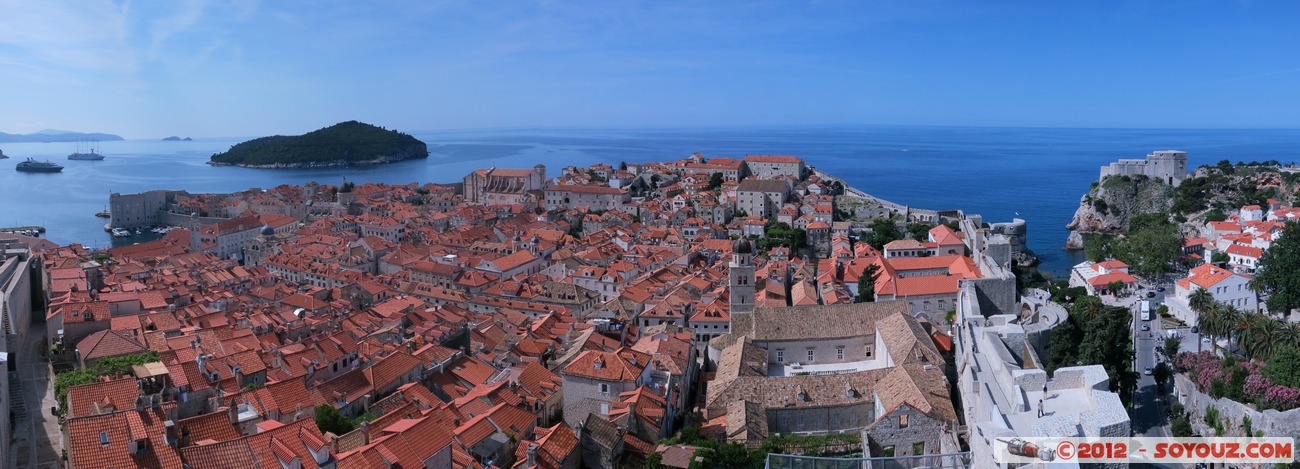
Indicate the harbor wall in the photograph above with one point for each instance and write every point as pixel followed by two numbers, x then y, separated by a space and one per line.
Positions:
pixel 139 210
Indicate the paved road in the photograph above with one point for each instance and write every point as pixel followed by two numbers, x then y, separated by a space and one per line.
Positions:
pixel 1148 413
pixel 38 441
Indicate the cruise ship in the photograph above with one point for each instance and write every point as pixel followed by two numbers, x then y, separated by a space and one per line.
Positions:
pixel 33 166
pixel 91 154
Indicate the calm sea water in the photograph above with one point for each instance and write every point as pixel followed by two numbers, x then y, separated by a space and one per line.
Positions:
pixel 1001 173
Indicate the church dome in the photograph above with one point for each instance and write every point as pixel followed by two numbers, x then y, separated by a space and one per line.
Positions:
pixel 742 246
pixel 268 231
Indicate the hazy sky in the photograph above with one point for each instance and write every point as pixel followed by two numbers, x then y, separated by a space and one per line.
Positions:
pixel 148 69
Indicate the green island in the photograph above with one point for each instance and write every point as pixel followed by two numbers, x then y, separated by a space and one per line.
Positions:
pixel 348 143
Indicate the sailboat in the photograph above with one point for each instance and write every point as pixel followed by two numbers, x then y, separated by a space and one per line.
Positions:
pixel 93 154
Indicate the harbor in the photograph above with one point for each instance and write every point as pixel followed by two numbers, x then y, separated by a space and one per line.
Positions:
pixel 36 231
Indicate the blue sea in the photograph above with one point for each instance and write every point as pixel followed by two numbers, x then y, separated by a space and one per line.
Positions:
pixel 1037 174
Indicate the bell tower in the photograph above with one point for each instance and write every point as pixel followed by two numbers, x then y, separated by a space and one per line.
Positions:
pixel 741 277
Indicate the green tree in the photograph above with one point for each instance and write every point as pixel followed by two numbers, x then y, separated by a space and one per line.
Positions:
pixel 1276 274
pixel 1214 215
pixel 728 456
pixel 1096 334
pixel 918 231
pixel 1220 257
pixel 328 419
pixel 883 230
pixel 110 366
pixel 1171 346
pixel 715 181
pixel 1115 287
pixel 867 283
pixel 622 166
pixel 1284 367
pixel 1064 346
pixel 780 234
pixel 1161 373
pixel 1096 247
pixel 1150 251
pixel 1180 427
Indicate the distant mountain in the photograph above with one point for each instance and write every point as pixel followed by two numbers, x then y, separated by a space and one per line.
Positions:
pixel 174 138
pixel 50 135
pixel 344 144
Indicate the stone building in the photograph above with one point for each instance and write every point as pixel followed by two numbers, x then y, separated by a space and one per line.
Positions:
pixel 506 186
pixel 137 210
pixel 767 166
pixel 740 277
pixel 833 369
pixel 819 237
pixel 1168 166
pixel 227 238
pixel 575 196
pixel 1003 388
pixel 594 379
pixel 761 197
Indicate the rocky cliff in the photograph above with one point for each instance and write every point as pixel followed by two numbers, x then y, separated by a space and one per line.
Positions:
pixel 1108 207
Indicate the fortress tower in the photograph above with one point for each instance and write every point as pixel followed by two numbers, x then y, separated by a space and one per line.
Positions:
pixel 1167 166
pixel 741 277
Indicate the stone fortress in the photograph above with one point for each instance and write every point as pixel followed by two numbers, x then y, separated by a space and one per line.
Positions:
pixel 1169 166
pixel 999 354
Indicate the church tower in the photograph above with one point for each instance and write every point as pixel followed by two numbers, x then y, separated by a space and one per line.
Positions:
pixel 741 276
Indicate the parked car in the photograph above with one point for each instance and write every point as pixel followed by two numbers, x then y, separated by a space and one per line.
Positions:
pixel 1151 294
pixel 1147 371
pixel 1146 327
pixel 1160 289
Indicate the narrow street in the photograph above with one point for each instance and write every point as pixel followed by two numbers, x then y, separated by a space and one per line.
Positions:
pixel 38 442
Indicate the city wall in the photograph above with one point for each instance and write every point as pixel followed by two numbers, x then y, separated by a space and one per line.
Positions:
pixel 1272 422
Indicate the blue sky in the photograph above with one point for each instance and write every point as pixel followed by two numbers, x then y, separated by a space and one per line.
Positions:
pixel 248 68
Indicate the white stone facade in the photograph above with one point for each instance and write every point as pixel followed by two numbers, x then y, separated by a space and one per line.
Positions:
pixel 1001 397
pixel 1168 166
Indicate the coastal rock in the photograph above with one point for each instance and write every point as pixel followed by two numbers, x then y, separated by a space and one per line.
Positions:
pixel 174 138
pixel 1107 208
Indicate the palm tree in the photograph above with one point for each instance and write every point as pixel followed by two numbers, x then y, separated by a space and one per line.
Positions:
pixel 1247 331
pixel 1267 337
pixel 1226 321
pixel 1200 301
pixel 1206 317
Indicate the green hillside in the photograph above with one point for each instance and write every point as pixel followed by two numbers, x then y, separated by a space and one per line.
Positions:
pixel 343 144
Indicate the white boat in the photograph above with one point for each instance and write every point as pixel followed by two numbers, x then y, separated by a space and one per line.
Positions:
pixel 121 233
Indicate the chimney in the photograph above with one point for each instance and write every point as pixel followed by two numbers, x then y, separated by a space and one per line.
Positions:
pixel 532 456
pixel 632 422
pixel 170 434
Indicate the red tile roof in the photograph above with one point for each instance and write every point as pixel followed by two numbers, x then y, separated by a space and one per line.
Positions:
pixel 608 366
pixel 101 441
pixel 87 398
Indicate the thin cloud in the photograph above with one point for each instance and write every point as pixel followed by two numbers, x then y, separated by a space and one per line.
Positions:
pixel 69 35
pixel 164 28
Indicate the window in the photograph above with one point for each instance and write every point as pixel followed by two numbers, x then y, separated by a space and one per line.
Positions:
pixel 902 421
pixel 918 448
pixel 604 408
pixel 103 438
pixel 604 389
pixel 869 349
pixel 810 355
pixel 780 356
pixel 839 353
pixel 887 451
